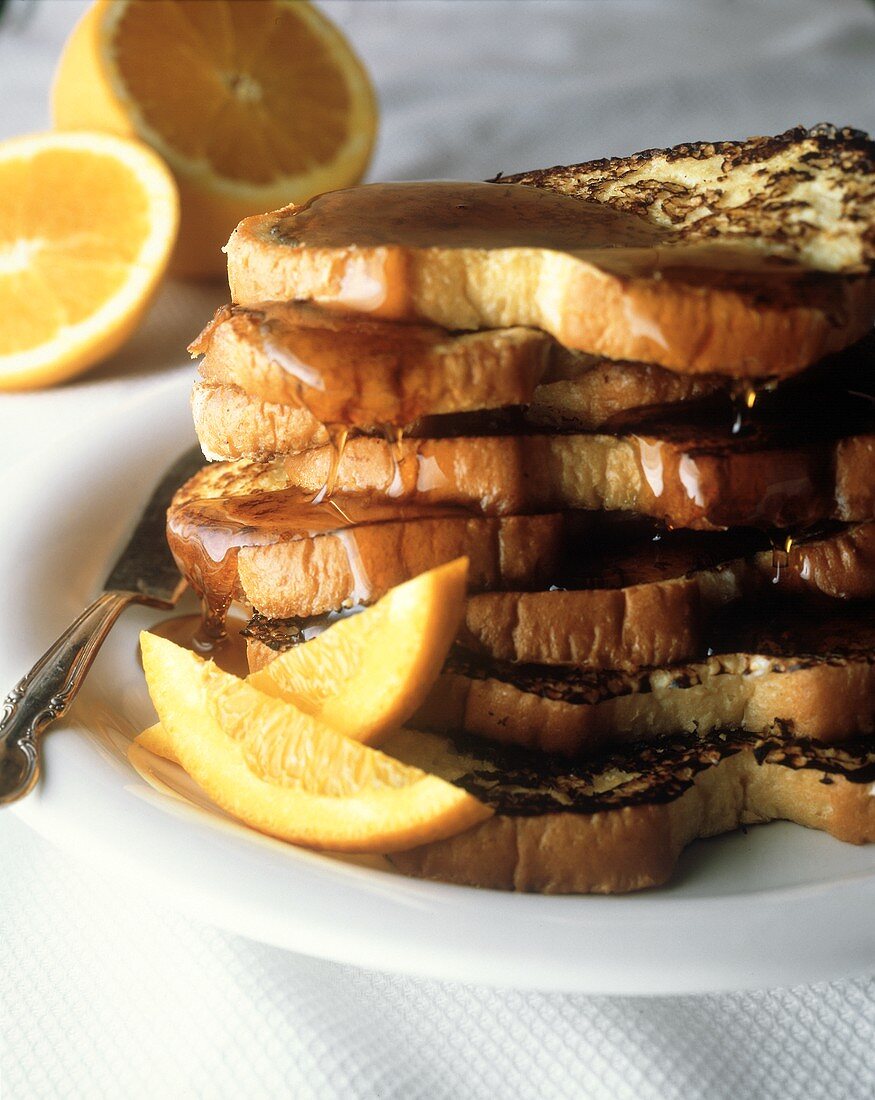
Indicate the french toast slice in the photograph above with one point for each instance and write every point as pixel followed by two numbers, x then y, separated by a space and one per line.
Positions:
pixel 804 194
pixel 359 372
pixel 815 678
pixel 803 454
pixel 233 419
pixel 743 258
pixel 620 822
pixel 644 603
pixel 636 603
pixel 689 482
pixel 287 557
pixel 231 424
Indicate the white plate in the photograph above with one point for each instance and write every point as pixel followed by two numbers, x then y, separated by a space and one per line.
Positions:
pixel 778 905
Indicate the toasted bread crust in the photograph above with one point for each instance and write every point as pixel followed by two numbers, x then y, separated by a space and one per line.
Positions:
pixel 683 485
pixel 636 845
pixel 827 696
pixel 232 423
pixel 312 576
pixel 665 619
pixel 592 393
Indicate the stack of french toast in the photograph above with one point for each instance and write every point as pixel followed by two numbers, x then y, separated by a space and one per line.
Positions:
pixel 639 395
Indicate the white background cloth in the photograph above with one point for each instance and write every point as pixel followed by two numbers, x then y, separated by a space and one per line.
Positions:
pixel 106 994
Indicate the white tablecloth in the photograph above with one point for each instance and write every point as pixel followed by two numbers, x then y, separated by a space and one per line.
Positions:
pixel 106 994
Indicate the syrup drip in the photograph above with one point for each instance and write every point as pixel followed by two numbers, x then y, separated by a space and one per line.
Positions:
pixel 665 468
pixel 651 462
pixel 744 396
pixel 781 558
pixel 284 353
pixel 429 475
pixel 395 438
pixel 229 652
pixel 338 435
pixel 362 588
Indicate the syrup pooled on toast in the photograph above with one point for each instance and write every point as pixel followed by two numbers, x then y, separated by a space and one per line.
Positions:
pixel 377 225
pixel 206 535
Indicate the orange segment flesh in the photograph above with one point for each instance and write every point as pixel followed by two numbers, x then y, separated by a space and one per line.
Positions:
pixel 366 675
pixel 87 223
pixel 286 774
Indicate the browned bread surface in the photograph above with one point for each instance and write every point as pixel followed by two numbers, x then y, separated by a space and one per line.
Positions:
pixel 696 286
pixel 808 194
pixel 653 603
pixel 311 576
pixel 620 823
pixel 592 393
pixel 232 422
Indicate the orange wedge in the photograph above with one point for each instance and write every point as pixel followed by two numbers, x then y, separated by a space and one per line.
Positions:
pixel 366 675
pixel 87 223
pixel 284 773
pixel 253 105
pixel 156 739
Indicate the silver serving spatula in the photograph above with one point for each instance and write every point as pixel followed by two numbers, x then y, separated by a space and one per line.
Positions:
pixel 145 573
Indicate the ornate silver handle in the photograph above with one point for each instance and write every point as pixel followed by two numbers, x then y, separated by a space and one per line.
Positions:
pixel 46 692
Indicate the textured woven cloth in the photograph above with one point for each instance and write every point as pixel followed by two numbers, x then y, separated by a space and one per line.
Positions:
pixel 108 993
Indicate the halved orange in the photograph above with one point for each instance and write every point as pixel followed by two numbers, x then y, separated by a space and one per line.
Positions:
pixel 253 105
pixel 284 773
pixel 87 223
pixel 366 675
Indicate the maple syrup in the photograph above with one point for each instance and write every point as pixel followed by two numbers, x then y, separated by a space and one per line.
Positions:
pixel 395 438
pixel 462 215
pixel 781 557
pixel 228 652
pixel 338 434
pixel 378 224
